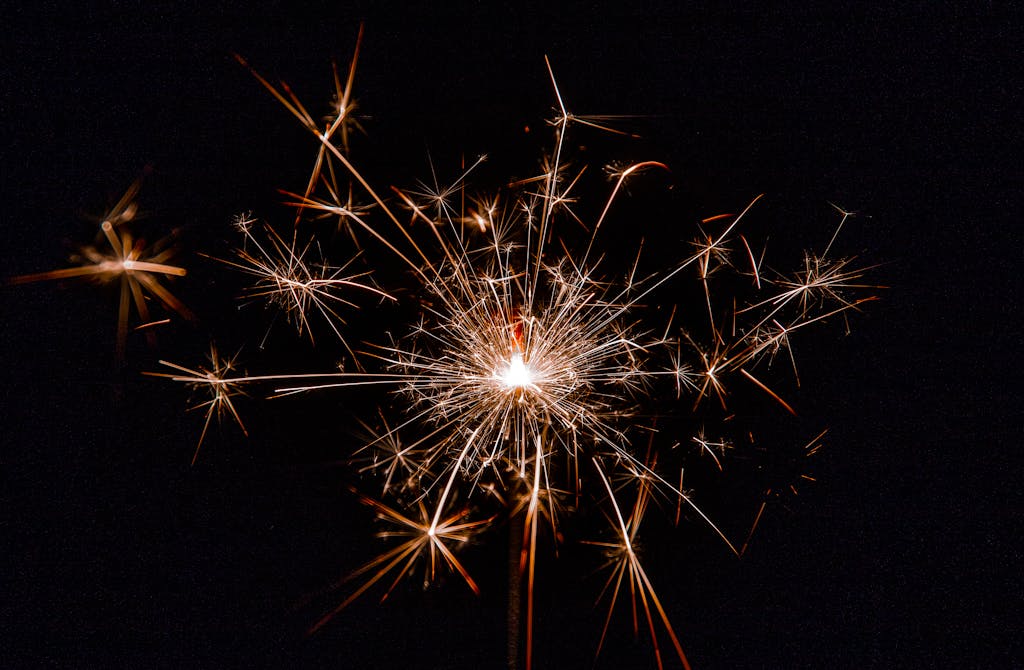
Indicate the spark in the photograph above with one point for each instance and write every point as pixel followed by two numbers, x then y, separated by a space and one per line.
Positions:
pixel 626 565
pixel 789 468
pixel 710 447
pixel 299 287
pixel 425 539
pixel 127 261
pixel 388 454
pixel 214 379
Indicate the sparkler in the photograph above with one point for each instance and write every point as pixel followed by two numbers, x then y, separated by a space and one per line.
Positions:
pixel 529 373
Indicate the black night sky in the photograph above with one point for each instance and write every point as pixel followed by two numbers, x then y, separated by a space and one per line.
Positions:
pixel 117 553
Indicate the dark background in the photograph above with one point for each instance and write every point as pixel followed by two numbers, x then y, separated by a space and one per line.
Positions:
pixel 121 555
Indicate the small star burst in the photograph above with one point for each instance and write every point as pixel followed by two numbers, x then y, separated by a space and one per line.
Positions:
pixel 118 257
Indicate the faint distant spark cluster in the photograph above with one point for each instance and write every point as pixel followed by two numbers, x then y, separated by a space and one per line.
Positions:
pixel 533 381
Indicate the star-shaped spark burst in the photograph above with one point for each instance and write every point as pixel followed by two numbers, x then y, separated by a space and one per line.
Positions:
pixel 298 286
pixel 426 538
pixel 623 559
pixel 118 257
pixel 214 380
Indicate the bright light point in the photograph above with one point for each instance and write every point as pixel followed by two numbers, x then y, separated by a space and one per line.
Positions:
pixel 517 375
